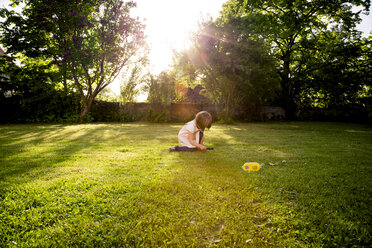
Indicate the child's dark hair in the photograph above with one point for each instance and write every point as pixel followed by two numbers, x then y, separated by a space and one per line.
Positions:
pixel 203 120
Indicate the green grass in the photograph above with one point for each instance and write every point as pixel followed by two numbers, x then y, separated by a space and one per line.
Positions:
pixel 116 185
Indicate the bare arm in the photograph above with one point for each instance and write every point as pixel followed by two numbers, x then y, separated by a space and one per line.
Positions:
pixel 191 138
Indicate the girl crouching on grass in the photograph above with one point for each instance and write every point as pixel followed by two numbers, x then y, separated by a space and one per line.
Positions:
pixel 191 135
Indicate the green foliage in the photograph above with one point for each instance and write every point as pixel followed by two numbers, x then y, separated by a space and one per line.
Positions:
pixel 92 40
pixel 107 95
pixel 161 88
pixel 105 111
pixel 29 93
pixel 298 34
pixel 339 74
pixel 234 69
pixel 118 112
pixel 69 185
pixel 158 117
pixel 129 87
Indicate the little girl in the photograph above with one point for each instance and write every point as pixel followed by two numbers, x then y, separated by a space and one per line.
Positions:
pixel 191 137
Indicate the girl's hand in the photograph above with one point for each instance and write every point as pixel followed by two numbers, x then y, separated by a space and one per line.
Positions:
pixel 191 138
pixel 202 148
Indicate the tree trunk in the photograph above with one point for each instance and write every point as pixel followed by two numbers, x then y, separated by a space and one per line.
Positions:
pixel 227 111
pixel 227 107
pixel 87 103
pixel 289 102
pixel 64 81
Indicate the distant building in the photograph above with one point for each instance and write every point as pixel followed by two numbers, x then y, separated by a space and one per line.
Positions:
pixel 188 95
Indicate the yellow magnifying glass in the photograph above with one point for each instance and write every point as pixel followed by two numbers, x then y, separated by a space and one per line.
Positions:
pixel 251 166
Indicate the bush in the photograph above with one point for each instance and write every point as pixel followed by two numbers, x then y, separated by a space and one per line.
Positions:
pixel 48 107
pixel 158 117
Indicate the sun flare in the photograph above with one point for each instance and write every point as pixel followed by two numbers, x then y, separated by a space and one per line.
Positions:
pixel 170 23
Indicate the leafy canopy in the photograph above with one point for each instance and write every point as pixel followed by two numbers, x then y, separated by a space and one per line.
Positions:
pixel 295 29
pixel 92 39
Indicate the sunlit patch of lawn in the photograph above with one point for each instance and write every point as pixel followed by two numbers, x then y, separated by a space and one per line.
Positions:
pixel 116 185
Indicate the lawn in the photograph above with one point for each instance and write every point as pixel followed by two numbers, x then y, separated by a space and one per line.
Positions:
pixel 117 185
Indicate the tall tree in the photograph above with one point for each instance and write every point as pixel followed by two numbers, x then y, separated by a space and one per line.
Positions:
pixel 129 86
pixel 132 83
pixel 234 69
pixel 161 88
pixel 287 26
pixel 91 39
pixel 337 73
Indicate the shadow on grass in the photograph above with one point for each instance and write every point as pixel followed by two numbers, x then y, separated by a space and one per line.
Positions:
pixel 97 186
pixel 29 148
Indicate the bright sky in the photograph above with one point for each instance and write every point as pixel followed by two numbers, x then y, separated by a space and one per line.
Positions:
pixel 169 24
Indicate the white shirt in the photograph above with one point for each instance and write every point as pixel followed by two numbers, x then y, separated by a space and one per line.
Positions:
pixel 183 134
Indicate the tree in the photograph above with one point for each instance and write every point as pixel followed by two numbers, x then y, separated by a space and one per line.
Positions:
pixel 287 26
pixel 91 39
pixel 337 73
pixel 161 88
pixel 128 88
pixel 107 95
pixel 28 93
pixel 132 82
pixel 233 67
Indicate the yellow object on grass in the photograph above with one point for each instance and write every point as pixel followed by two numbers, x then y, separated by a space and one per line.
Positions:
pixel 251 166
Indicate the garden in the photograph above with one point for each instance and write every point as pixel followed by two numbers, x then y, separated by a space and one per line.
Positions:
pixel 93 94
